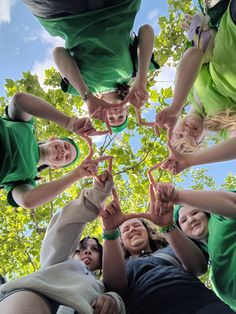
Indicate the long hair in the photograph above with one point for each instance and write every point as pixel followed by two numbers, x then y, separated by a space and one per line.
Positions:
pixel 222 120
pixel 156 241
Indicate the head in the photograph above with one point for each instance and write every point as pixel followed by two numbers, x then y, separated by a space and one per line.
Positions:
pixel 188 133
pixel 58 153
pixel 90 252
pixel 139 235
pixel 117 117
pixel 192 221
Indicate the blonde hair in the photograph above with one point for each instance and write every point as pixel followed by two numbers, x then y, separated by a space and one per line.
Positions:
pixel 222 120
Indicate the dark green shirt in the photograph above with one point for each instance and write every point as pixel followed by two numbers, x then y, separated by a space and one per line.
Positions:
pixel 222 253
pixel 99 42
pixel 19 154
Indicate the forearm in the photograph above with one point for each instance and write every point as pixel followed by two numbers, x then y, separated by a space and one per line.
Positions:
pixel 65 229
pixel 23 104
pixel 187 252
pixel 69 69
pixel 223 151
pixel 218 202
pixel 114 273
pixel 45 192
pixel 145 49
pixel 186 75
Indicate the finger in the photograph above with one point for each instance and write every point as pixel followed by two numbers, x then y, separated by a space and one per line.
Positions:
pixel 151 196
pixel 115 195
pixel 108 125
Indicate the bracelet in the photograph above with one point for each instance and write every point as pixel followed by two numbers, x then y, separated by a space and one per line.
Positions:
pixel 71 124
pixel 111 234
pixel 85 97
pixel 168 228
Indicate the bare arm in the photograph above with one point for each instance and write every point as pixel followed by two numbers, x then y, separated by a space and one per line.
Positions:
pixel 187 252
pixel 69 69
pixel 161 214
pixel 23 106
pixel 186 75
pixel 217 202
pixel 177 162
pixel 28 197
pixel 145 49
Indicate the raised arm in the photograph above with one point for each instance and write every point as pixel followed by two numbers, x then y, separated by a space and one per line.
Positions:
pixel 161 213
pixel 187 72
pixel 177 162
pixel 27 196
pixel 216 202
pixel 138 94
pixel 65 228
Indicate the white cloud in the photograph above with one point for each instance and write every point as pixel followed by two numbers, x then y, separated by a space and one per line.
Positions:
pixel 165 78
pixel 40 66
pixel 5 10
pixel 153 14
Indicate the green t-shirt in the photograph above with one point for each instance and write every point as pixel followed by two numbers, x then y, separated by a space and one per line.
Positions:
pixel 215 85
pixel 222 253
pixel 99 42
pixel 19 154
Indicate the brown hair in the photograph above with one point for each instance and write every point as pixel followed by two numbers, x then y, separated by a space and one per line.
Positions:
pixel 156 241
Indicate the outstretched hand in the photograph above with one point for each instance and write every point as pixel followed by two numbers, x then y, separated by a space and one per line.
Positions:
pixel 137 96
pixel 112 215
pixel 167 118
pixel 161 209
pixel 176 162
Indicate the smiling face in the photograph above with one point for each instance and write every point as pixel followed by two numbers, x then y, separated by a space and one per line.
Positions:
pixel 58 153
pixel 194 223
pixel 90 254
pixel 117 116
pixel 134 237
pixel 190 126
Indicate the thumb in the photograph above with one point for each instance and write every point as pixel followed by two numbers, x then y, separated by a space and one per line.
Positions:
pixel 134 215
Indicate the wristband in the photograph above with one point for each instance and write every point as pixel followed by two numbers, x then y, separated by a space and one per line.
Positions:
pixel 111 234
pixel 85 97
pixel 168 228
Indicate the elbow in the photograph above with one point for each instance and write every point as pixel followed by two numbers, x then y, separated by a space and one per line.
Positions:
pixel 58 53
pixel 19 97
pixel 146 30
pixel 26 203
pixel 199 270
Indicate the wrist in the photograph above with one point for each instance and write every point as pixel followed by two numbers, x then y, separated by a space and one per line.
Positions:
pixel 71 124
pixel 167 228
pixel 111 234
pixel 87 95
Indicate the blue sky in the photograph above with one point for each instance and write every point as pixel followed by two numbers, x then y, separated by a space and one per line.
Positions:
pixel 26 46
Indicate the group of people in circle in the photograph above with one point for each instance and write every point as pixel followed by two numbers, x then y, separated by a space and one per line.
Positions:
pixel 145 269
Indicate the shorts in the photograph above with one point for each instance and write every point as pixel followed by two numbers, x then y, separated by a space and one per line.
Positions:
pixel 52 305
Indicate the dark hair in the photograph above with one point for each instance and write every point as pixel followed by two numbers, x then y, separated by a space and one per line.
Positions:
pixel 156 241
pixel 83 244
pixel 122 90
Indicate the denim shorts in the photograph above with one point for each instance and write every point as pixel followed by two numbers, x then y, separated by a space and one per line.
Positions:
pixel 52 305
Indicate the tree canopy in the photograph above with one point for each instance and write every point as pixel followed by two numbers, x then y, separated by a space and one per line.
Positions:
pixel 135 151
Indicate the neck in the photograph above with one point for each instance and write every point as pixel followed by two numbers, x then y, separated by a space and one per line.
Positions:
pixel 42 155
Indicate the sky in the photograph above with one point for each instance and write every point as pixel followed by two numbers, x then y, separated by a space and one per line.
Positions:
pixel 25 45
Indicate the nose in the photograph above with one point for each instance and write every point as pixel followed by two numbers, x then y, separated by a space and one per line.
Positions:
pixel 191 219
pixel 87 251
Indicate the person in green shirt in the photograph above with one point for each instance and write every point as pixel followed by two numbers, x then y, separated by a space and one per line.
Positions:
pixel 21 154
pixel 100 57
pixel 206 78
pixel 208 217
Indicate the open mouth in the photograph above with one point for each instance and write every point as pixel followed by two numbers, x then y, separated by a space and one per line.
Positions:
pixel 87 260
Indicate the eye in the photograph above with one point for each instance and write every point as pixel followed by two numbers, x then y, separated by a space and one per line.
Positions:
pixel 95 248
pixel 111 119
